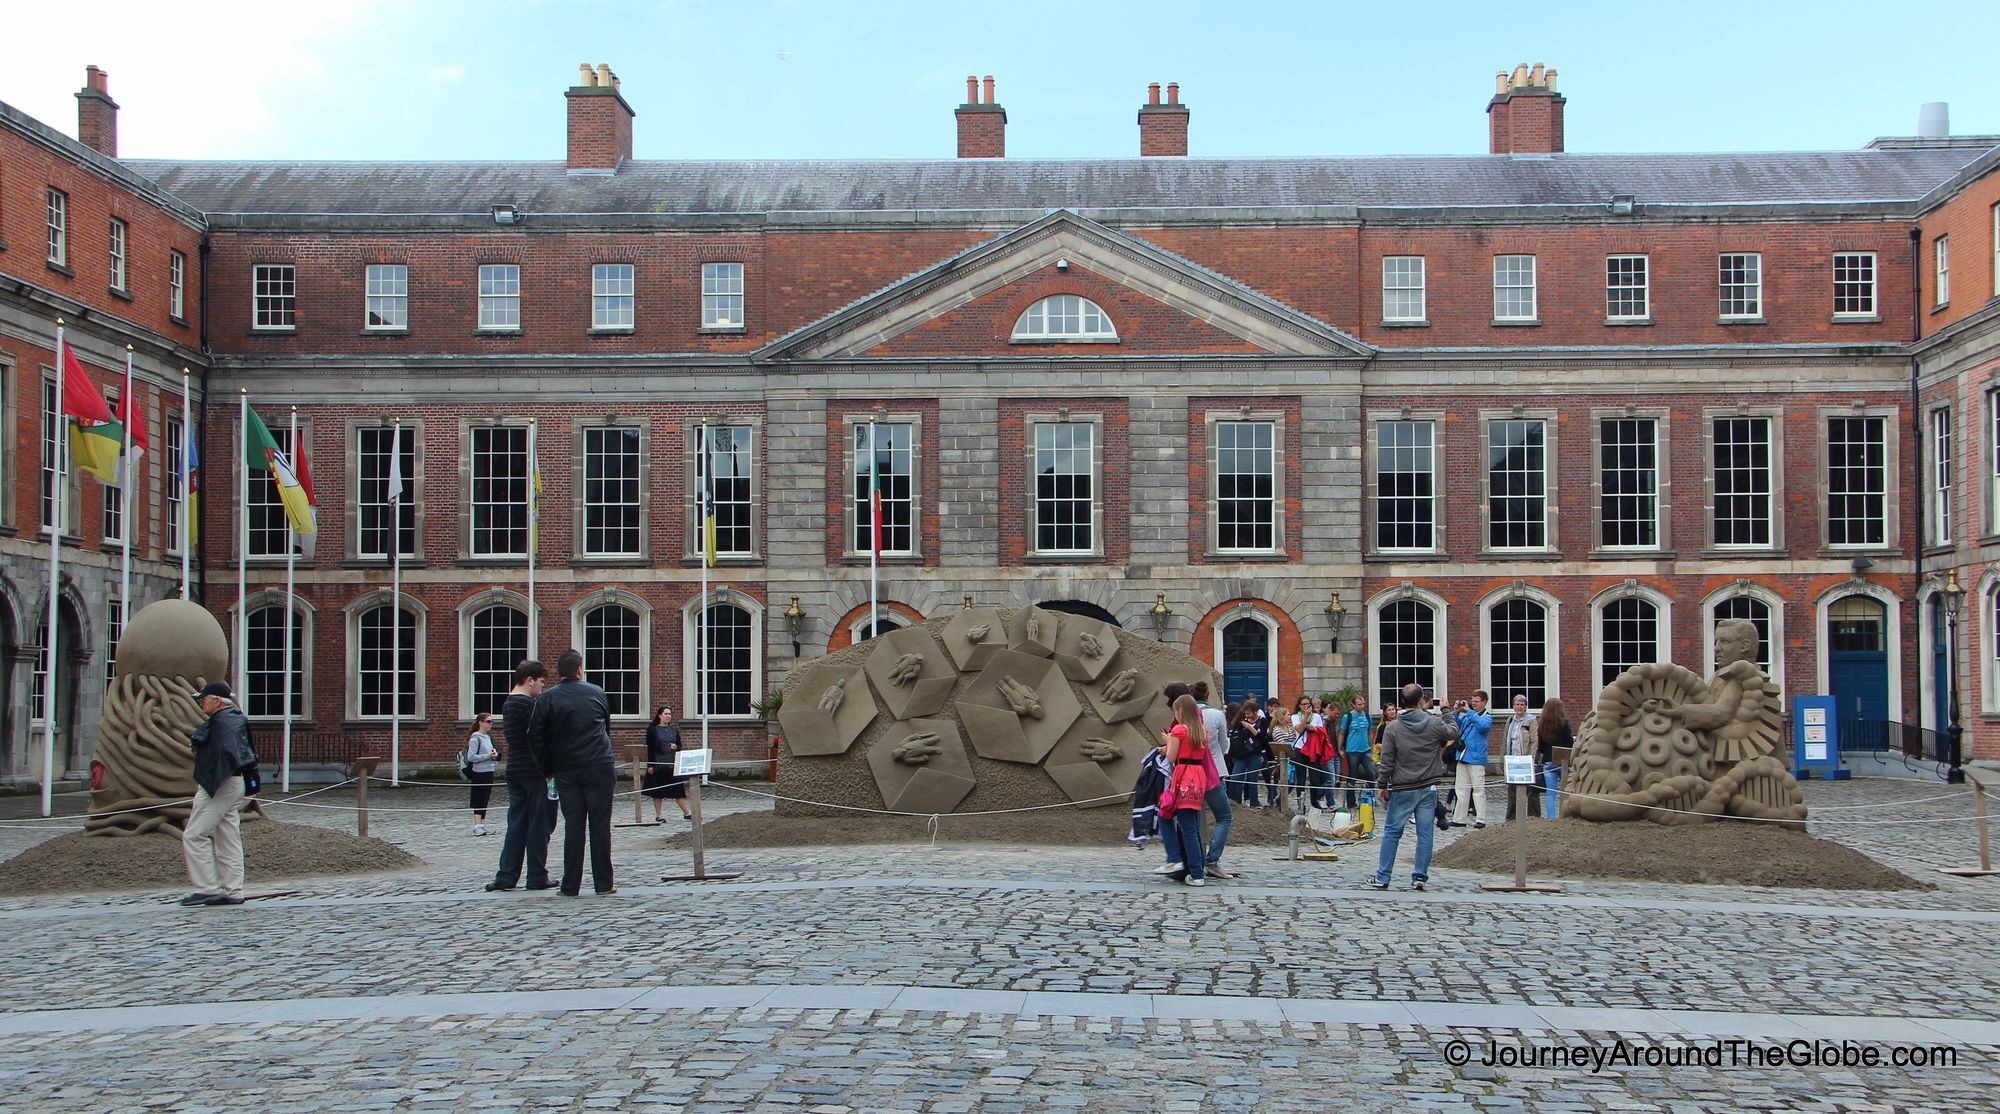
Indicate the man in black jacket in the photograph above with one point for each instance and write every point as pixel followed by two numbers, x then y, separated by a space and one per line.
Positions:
pixel 1412 765
pixel 571 736
pixel 212 843
pixel 531 815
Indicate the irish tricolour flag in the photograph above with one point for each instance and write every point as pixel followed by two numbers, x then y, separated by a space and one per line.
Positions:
pixel 261 452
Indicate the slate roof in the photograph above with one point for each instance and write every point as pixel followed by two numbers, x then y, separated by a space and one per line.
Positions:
pixel 692 187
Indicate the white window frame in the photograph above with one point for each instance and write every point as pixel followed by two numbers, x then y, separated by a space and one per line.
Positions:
pixel 1944 467
pixel 1996 249
pixel 1616 291
pixel 591 441
pixel 1941 270
pixel 618 597
pixel 56 468
pixel 1885 423
pixel 473 544
pixel 411 438
pixel 1256 615
pixel 468 612
pixel 1548 494
pixel 1986 629
pixel 1403 281
pixel 1507 266
pixel 614 297
pixel 1092 474
pixel 274 297
pixel 693 477
pixel 176 285
pixel 116 243
pixel 57 219
pixel 1992 450
pixel 1051 320
pixel 722 293
pixel 857 506
pixel 499 297
pixel 420 615
pixel 258 485
pixel 1279 463
pixel 1663 625
pixel 690 650
pixel 115 523
pixel 1774 608
pixel 172 499
pixel 1661 518
pixel 114 632
pixel 892 621
pixel 1860 287
pixel 1551 638
pixel 1377 469
pixel 1743 299
pixel 386 298
pixel 302 651
pixel 1773 475
pixel 1440 613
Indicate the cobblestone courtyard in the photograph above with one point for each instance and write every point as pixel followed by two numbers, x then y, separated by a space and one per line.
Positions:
pixel 970 977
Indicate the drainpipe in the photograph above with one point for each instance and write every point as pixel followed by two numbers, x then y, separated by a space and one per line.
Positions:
pixel 200 586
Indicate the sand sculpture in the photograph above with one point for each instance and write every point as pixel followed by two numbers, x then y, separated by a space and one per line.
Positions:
pixel 1666 746
pixel 986 708
pixel 142 766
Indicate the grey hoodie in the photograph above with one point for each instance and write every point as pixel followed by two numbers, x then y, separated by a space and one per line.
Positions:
pixel 1413 751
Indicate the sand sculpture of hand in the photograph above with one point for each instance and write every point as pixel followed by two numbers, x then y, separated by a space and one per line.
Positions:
pixel 907 669
pixel 978 633
pixel 1121 687
pixel 1099 749
pixel 1021 698
pixel 919 748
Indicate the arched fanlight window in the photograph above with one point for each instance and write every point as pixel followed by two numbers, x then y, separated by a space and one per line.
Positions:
pixel 1065 317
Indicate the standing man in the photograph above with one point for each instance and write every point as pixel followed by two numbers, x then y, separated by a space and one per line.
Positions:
pixel 1475 723
pixel 1216 726
pixel 1521 740
pixel 531 815
pixel 212 843
pixel 1412 765
pixel 1356 730
pixel 570 732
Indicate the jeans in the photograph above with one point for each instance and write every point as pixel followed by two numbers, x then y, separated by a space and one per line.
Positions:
pixel 1314 777
pixel 1402 805
pixel 586 800
pixel 212 842
pixel 1360 771
pixel 1244 778
pixel 1551 777
pixel 531 817
pixel 1182 834
pixel 1269 775
pixel 1218 803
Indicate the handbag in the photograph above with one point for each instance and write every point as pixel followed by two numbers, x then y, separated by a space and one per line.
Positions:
pixel 1184 791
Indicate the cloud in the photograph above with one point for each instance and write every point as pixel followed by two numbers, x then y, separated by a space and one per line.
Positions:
pixel 448 75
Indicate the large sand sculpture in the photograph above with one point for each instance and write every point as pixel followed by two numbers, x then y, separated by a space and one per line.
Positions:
pixel 143 768
pixel 989 708
pixel 1666 746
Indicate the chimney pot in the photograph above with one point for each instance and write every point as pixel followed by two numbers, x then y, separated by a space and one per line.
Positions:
pixel 97 113
pixel 1173 92
pixel 603 74
pixel 1153 93
pixel 1520 77
pixel 585 75
pixel 600 122
pixel 972 89
pixel 1549 79
pixel 1526 113
pixel 1535 75
pixel 1163 128
pixel 989 90
pixel 982 126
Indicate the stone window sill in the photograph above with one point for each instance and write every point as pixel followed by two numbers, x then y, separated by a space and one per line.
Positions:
pixel 123 294
pixel 1420 323
pixel 613 331
pixel 399 331
pixel 58 268
pixel 1516 322
pixel 1857 318
pixel 1621 322
pixel 1741 321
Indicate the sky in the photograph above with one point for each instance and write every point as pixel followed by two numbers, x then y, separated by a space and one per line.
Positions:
pixel 457 79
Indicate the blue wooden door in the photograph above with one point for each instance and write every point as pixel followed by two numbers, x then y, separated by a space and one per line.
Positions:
pixel 1246 659
pixel 1940 667
pixel 1858 670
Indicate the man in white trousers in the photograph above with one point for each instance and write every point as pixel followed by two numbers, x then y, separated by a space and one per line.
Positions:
pixel 213 841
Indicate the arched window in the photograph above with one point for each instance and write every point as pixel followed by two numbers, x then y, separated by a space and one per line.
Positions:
pixel 1631 636
pixel 863 630
pixel 496 642
pixel 264 663
pixel 611 640
pixel 1406 648
pixel 1064 317
pixel 384 666
pixel 725 666
pixel 1518 649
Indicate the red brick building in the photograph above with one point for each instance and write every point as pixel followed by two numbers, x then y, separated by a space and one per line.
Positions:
pixel 1511 421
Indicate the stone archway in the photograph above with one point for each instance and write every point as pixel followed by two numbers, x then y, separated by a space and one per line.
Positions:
pixel 1080 607
pixel 9 650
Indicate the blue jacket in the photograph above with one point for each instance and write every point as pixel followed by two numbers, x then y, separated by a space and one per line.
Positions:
pixel 1472 729
pixel 1360 731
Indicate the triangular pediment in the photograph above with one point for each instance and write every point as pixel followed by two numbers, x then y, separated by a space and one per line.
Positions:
pixel 1179 307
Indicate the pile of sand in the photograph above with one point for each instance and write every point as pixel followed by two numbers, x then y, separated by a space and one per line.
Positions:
pixel 1055 827
pixel 77 863
pixel 1723 853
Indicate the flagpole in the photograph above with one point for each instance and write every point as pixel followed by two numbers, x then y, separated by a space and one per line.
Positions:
pixel 396 625
pixel 874 537
pixel 291 564
pixel 126 517
pixel 55 524
pixel 534 543
pixel 187 510
pixel 701 665
pixel 242 538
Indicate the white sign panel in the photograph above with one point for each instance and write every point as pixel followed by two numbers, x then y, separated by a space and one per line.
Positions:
pixel 1815 717
pixel 1520 769
pixel 689 763
pixel 1816 752
pixel 1816 733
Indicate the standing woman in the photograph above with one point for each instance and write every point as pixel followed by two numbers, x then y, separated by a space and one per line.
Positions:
pixel 1554 732
pixel 663 742
pixel 481 758
pixel 1193 776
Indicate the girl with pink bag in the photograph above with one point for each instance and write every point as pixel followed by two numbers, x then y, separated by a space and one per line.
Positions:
pixel 1193 775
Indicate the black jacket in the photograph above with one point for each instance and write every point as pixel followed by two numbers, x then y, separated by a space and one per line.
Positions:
pixel 662 743
pixel 221 748
pixel 571 728
pixel 515 714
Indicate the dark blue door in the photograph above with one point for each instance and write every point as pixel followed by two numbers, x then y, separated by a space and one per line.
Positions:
pixel 1940 667
pixel 1246 659
pixel 1858 671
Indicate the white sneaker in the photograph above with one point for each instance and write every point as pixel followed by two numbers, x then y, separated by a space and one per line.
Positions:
pixel 1168 868
pixel 479 829
pixel 1195 882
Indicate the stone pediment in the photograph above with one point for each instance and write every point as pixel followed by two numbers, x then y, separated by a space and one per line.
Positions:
pixel 967 305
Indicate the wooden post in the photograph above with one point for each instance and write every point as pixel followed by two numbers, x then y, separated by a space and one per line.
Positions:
pixel 638 756
pixel 364 769
pixel 1985 867
pixel 694 816
pixel 1520 884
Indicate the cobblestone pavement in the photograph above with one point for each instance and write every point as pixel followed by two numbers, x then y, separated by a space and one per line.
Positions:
pixel 1288 988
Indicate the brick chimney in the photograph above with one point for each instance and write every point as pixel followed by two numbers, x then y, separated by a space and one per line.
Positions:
pixel 600 122
pixel 982 125
pixel 97 114
pixel 1526 113
pixel 1163 127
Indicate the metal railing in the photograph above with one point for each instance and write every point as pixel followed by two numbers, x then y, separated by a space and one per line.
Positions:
pixel 1912 744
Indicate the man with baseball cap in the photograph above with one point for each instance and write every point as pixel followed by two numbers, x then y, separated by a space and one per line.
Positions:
pixel 213 841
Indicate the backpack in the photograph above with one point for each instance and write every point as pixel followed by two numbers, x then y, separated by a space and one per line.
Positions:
pixel 464 762
pixel 253 779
